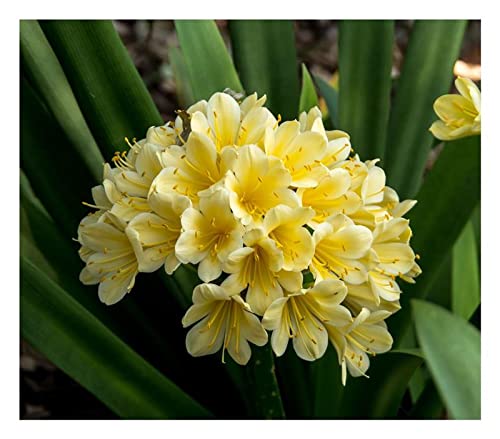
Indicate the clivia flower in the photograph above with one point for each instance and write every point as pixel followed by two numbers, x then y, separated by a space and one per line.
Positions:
pixel 289 231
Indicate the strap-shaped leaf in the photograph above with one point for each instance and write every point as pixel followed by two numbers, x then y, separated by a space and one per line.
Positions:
pixel 179 69
pixel 380 396
pixel 445 203
pixel 308 96
pixel 452 350
pixel 57 177
pixel 87 351
pixel 465 274
pixel 426 74
pixel 365 62
pixel 266 60
pixel 331 97
pixel 328 388
pixel 209 66
pixel 107 86
pixel 41 66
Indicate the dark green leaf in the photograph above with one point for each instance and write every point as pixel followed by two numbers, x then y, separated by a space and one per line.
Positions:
pixel 426 74
pixel 328 388
pixel 429 404
pixel 331 97
pixel 107 86
pixel 266 60
pixel 380 396
pixel 308 96
pixel 365 62
pixel 46 75
pixel 86 350
pixel 445 203
pixel 209 66
pixel 182 84
pixel 452 350
pixel 465 282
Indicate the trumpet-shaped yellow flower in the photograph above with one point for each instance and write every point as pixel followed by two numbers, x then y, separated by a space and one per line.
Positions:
pixel 390 244
pixel 154 235
pixel 257 265
pixel 257 183
pixel 194 168
pixel 299 151
pixel 302 316
pixel 340 246
pixel 368 334
pixel 330 197
pixel 209 235
pixel 284 224
pixel 109 256
pixel 225 322
pixel 229 124
pixel 460 115
pixel 365 296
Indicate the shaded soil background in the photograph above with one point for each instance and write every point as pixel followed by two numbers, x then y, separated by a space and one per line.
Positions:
pixel 45 391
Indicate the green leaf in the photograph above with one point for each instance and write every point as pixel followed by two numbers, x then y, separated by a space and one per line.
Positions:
pixel 41 66
pixel 86 350
pixel 328 388
pixel 379 397
pixel 107 86
pixel 428 405
pixel 465 282
pixel 445 203
pixel 59 181
pixel 426 74
pixel 182 85
pixel 365 62
pixel 452 350
pixel 308 96
pixel 209 66
pixel 331 97
pixel 265 57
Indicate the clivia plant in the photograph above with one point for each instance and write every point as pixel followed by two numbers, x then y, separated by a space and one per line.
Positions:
pixel 291 256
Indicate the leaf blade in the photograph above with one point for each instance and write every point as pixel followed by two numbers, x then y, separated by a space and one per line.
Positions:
pixel 446 341
pixel 82 347
pixel 209 66
pixel 266 59
pixel 365 62
pixel 308 96
pixel 426 74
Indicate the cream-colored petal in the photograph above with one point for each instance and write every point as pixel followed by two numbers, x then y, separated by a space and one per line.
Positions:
pixel 291 281
pixel 112 290
pixel 372 189
pixel 223 114
pixel 201 340
pixel 210 268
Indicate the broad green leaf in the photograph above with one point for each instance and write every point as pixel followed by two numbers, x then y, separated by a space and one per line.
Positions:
pixel 308 96
pixel 452 350
pixel 107 86
pixel 179 68
pixel 294 379
pixel 208 64
pixel 58 180
pixel 328 388
pixel 465 282
pixel 331 97
pixel 365 62
pixel 426 74
pixel 41 66
pixel 265 57
pixel 445 203
pixel 428 405
pixel 85 349
pixel 379 397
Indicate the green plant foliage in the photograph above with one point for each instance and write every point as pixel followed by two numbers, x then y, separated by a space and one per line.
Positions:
pixel 445 203
pixel 265 57
pixel 308 96
pixel 426 74
pixel 365 62
pixel 465 282
pixel 208 64
pixel 45 73
pixel 331 97
pixel 87 351
pixel 107 86
pixel 454 361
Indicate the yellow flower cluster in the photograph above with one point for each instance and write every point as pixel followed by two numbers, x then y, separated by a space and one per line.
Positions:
pixel 290 232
